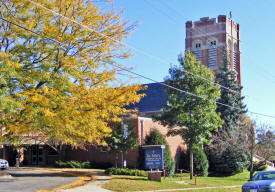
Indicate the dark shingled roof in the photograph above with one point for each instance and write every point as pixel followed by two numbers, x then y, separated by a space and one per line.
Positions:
pixel 154 100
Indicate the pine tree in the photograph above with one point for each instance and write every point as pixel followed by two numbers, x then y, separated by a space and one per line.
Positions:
pixel 156 138
pixel 228 78
pixel 227 153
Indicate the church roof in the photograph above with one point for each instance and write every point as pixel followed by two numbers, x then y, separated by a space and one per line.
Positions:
pixel 154 100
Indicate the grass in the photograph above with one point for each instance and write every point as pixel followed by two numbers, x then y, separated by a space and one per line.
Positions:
pixel 135 183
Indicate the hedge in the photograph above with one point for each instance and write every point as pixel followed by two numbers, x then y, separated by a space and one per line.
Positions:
pixel 125 171
pixel 82 164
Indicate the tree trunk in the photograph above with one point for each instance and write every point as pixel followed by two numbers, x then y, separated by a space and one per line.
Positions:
pixel 252 132
pixel 251 164
pixel 191 161
pixel 251 158
pixel 116 159
pixel 121 160
pixel 59 152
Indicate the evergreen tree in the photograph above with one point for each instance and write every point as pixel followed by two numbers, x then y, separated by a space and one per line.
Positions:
pixel 191 115
pixel 228 78
pixel 227 153
pixel 156 138
pixel 200 161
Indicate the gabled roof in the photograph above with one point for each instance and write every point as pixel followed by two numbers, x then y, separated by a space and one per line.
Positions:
pixel 154 100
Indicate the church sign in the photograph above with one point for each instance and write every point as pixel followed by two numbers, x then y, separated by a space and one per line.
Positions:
pixel 154 156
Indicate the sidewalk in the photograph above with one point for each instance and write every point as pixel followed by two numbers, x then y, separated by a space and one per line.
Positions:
pixel 195 188
pixel 100 179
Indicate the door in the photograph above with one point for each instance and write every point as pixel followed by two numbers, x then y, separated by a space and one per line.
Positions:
pixel 37 155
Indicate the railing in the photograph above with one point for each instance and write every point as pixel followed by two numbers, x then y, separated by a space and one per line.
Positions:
pixel 181 171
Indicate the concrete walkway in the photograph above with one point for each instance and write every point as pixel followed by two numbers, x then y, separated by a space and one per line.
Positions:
pixel 100 179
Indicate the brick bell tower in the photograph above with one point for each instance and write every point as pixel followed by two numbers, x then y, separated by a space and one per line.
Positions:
pixel 207 39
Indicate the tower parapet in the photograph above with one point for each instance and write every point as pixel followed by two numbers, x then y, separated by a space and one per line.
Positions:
pixel 208 37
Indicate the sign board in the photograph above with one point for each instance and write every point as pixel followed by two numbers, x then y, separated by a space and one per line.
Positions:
pixel 154 156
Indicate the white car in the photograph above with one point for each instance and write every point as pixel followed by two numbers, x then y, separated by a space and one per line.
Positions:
pixel 4 164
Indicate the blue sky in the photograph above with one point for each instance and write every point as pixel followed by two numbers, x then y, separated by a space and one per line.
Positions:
pixel 161 33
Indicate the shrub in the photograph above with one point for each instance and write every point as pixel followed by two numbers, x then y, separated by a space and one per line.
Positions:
pixel 122 171
pixel 199 160
pixel 86 164
pixel 156 138
pixel 141 158
pixel 72 164
pixel 60 164
pixel 231 160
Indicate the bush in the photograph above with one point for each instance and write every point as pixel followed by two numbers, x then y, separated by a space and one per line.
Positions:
pixel 60 164
pixel 86 164
pixel 141 158
pixel 122 171
pixel 72 164
pixel 156 138
pixel 230 161
pixel 200 162
pixel 83 164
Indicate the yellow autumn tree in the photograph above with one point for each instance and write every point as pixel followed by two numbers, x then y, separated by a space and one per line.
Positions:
pixel 65 93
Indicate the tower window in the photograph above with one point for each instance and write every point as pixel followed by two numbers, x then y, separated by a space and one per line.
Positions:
pixel 213 43
pixel 198 45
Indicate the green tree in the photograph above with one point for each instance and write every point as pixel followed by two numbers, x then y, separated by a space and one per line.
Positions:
pixel 229 152
pixel 192 117
pixel 200 161
pixel 233 97
pixel 251 144
pixel 122 139
pixel 156 138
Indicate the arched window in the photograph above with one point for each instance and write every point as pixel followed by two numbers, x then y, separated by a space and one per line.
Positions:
pixel 212 54
pixel 197 49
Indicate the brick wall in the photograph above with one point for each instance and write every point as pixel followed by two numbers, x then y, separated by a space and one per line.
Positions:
pixel 227 34
pixel 95 154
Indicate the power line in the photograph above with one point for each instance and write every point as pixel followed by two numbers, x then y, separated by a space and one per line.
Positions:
pixel 137 74
pixel 126 45
pixel 224 87
pixel 207 37
pixel 121 68
pixel 158 9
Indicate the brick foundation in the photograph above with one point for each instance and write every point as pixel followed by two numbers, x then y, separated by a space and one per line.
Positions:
pixel 154 176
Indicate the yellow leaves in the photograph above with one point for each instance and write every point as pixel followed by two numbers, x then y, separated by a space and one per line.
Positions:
pixel 6 58
pixel 67 92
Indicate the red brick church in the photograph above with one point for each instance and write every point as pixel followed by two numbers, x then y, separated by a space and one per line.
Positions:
pixel 206 38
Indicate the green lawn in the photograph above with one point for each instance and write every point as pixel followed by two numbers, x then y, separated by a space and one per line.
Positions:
pixel 133 183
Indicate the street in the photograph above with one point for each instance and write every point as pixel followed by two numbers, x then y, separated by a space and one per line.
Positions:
pixel 32 180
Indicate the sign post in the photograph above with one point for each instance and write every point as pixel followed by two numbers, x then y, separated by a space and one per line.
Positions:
pixel 154 160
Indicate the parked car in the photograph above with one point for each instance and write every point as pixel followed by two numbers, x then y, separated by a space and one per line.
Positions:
pixel 4 164
pixel 263 181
